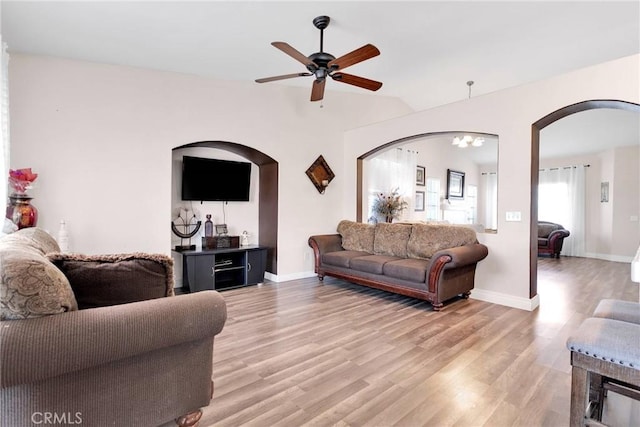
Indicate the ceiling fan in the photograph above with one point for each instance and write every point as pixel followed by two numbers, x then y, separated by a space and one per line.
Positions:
pixel 322 64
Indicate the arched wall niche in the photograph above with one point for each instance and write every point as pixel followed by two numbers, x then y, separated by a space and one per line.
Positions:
pixel 268 195
pixel 360 160
pixel 535 166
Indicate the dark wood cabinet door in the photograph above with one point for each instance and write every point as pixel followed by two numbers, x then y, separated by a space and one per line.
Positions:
pixel 256 263
pixel 202 273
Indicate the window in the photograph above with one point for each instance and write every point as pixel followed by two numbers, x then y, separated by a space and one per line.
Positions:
pixel 432 199
pixel 472 200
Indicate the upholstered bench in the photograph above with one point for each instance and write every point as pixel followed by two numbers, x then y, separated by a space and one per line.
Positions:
pixel 626 311
pixel 604 355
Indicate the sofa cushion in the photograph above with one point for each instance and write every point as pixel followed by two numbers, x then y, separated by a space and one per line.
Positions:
pixel 30 285
pixel 411 269
pixel 427 239
pixel 371 263
pixel 341 258
pixel 356 236
pixel 104 280
pixel 391 239
pixel 545 229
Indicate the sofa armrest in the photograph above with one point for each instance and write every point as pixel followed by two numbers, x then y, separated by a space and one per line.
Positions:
pixel 462 255
pixel 45 347
pixel 557 235
pixel 322 244
pixel 326 242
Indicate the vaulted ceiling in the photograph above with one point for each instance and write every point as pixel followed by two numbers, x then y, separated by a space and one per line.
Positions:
pixel 429 49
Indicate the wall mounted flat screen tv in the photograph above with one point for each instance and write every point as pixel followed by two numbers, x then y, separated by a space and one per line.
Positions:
pixel 215 180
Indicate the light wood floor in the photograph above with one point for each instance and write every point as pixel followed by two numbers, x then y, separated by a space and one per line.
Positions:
pixel 306 353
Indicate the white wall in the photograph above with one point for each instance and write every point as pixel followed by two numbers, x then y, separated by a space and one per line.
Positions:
pixel 100 138
pixel 606 238
pixel 504 275
pixel 625 198
pixel 437 155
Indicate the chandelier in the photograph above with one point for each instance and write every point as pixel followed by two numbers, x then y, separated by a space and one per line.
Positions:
pixel 467 140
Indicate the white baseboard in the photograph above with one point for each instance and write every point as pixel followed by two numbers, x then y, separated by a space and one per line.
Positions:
pixel 610 257
pixel 528 304
pixel 286 277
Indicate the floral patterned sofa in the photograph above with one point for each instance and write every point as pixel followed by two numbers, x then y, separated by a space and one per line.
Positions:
pixel 433 262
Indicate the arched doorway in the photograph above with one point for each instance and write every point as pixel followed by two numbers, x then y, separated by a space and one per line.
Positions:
pixel 535 166
pixel 268 195
pixel 360 161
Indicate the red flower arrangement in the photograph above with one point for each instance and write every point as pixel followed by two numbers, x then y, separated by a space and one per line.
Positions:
pixel 21 180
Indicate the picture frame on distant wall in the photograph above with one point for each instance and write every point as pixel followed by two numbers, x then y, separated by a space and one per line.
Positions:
pixel 420 175
pixel 455 185
pixel 604 192
pixel 419 201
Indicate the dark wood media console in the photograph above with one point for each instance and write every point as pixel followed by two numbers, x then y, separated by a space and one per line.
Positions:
pixel 219 269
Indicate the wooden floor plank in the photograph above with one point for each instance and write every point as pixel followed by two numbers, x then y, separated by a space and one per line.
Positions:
pixel 338 354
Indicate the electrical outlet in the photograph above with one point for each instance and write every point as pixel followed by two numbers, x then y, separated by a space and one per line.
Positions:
pixel 514 216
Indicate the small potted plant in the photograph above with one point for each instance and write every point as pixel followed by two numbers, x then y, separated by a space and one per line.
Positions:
pixel 389 205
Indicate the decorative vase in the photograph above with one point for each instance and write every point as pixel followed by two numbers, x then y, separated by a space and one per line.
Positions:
pixel 21 211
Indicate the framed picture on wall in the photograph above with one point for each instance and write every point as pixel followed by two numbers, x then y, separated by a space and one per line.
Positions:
pixel 455 185
pixel 604 192
pixel 419 205
pixel 420 175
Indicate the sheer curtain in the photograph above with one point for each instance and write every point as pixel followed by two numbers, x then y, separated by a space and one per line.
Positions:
pixel 562 199
pixel 4 116
pixel 395 168
pixel 490 188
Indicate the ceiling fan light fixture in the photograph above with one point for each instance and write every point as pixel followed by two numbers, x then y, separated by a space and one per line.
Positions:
pixel 322 64
pixel 466 140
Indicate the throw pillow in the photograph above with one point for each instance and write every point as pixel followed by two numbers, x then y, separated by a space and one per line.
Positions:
pixel 30 285
pixel 391 239
pixel 35 238
pixel 356 236
pixel 427 239
pixel 104 280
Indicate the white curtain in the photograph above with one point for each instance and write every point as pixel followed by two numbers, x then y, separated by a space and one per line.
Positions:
pixel 4 117
pixel 489 216
pixel 562 199
pixel 395 168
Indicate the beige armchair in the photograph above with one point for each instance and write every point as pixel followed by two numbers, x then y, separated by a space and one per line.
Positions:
pixel 144 362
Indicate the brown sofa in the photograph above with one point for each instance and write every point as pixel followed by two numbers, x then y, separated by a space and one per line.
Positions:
pixel 550 238
pixel 128 356
pixel 431 262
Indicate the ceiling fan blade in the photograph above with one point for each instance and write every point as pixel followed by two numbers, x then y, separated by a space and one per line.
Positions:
pixel 292 52
pixel 282 77
pixel 357 81
pixel 362 54
pixel 317 90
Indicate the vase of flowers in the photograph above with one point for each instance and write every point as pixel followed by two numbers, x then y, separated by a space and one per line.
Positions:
pixel 389 205
pixel 20 210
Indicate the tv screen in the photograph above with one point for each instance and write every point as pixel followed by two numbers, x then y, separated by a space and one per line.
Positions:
pixel 215 180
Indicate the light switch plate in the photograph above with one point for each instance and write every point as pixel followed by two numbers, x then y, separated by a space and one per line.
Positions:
pixel 514 216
